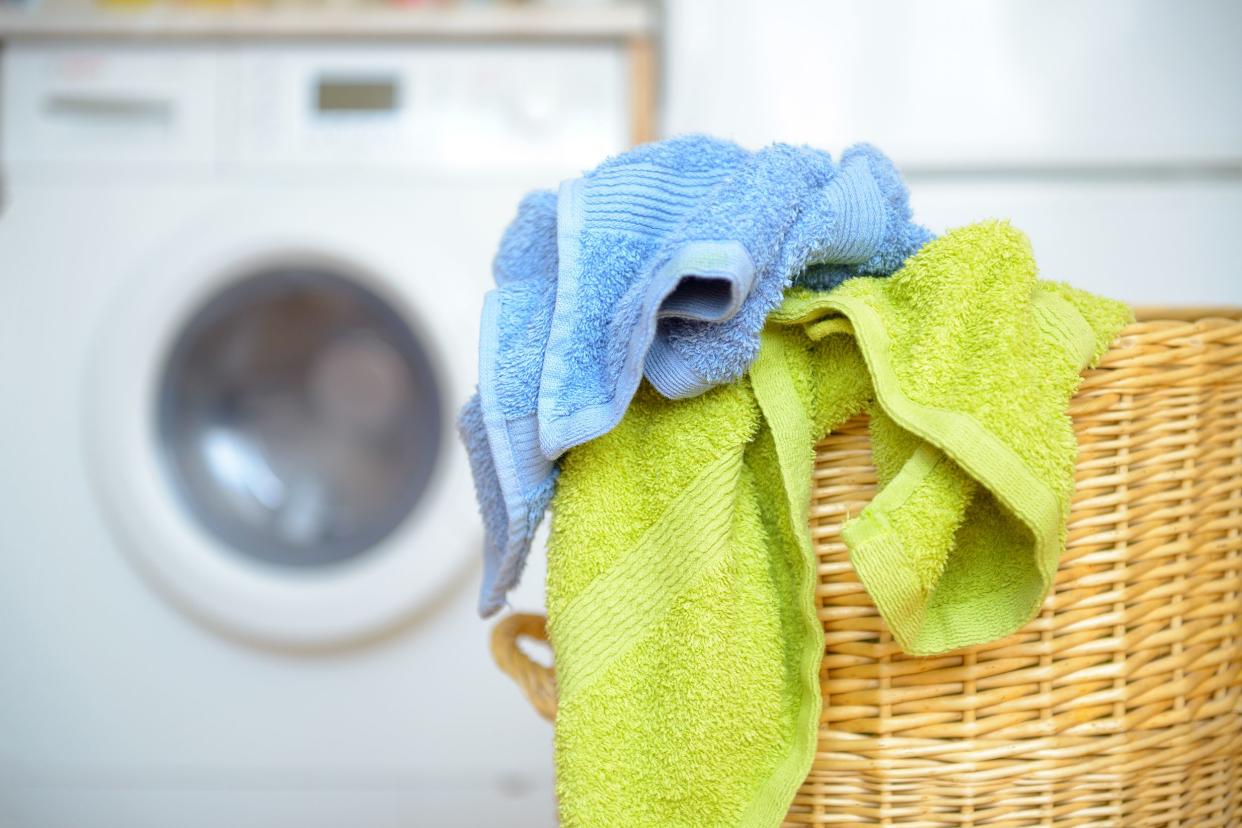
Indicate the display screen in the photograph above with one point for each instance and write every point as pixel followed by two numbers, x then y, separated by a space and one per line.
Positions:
pixel 334 95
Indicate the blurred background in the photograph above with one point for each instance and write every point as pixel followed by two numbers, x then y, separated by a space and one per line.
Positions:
pixel 243 248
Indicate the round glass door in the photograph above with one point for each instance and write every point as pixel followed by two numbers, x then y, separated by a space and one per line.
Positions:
pixel 299 417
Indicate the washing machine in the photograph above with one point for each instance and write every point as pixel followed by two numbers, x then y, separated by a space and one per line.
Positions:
pixel 240 285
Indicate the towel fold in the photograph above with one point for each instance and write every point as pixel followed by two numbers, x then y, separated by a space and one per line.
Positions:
pixel 664 262
pixel 681 577
pixel 513 480
pixel 973 362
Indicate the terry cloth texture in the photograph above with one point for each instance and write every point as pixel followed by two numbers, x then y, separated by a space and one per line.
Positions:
pixel 681 576
pixel 512 479
pixel 666 261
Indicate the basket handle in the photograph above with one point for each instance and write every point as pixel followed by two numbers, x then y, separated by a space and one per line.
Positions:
pixel 536 681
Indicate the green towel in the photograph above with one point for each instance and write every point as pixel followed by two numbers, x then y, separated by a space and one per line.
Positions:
pixel 681 577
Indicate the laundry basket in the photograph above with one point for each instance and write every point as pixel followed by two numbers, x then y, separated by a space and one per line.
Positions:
pixel 1121 704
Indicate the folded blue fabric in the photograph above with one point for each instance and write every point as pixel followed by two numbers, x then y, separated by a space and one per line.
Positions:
pixel 512 478
pixel 663 262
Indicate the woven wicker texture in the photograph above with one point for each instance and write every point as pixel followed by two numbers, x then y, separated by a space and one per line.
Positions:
pixel 1121 704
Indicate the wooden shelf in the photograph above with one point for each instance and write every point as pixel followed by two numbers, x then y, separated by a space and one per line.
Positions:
pixel 619 21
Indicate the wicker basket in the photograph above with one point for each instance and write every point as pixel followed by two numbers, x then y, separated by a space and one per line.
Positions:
pixel 1121 705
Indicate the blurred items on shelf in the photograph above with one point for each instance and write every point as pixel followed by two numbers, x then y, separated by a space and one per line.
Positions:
pixel 89 5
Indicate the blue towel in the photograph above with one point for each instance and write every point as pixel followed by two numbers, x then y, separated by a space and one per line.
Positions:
pixel 663 262
pixel 512 478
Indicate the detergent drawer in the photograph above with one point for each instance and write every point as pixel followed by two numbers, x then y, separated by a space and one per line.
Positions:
pixel 114 104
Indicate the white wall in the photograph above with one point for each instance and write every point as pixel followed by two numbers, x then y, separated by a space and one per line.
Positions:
pixel 1111 131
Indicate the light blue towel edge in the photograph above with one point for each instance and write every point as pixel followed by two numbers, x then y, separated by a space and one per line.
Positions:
pixel 519 474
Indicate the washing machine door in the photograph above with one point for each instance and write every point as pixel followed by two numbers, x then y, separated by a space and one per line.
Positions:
pixel 269 425
pixel 299 417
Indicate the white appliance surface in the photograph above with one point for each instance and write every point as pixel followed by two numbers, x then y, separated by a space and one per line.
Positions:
pixel 138 690
pixel 1109 132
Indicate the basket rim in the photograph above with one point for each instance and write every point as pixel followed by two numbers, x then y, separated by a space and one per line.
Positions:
pixel 1186 313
